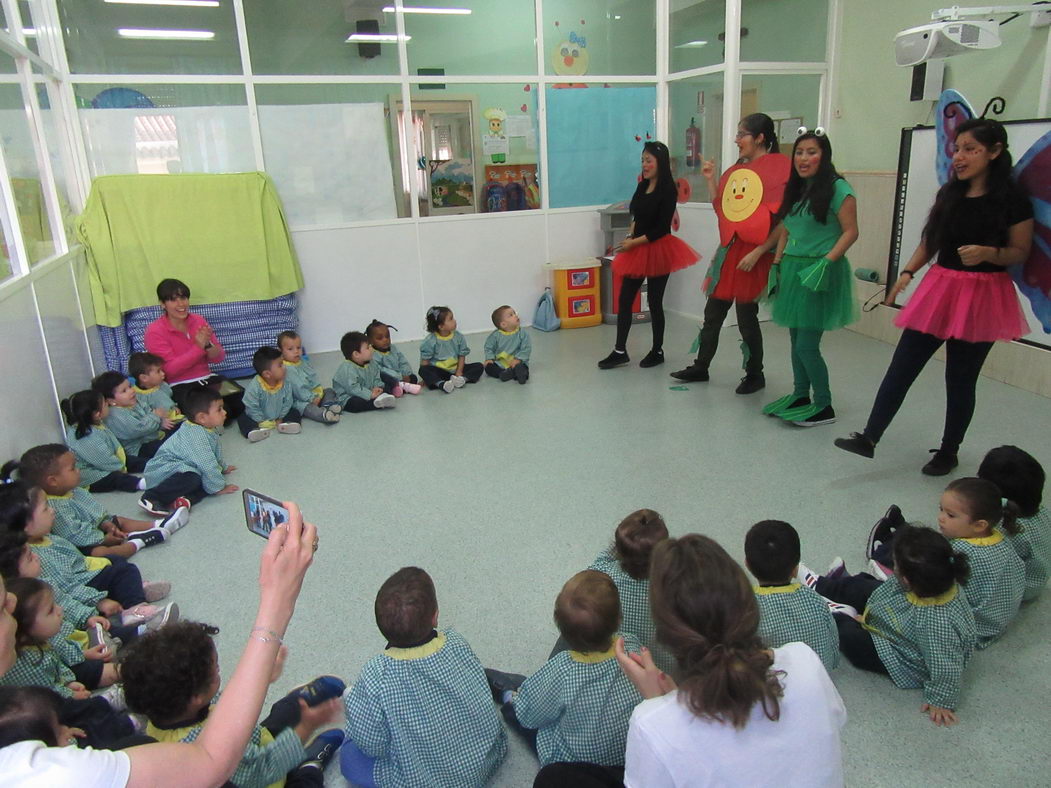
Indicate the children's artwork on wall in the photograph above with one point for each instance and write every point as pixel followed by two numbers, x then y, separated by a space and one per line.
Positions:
pixel 494 141
pixel 452 184
pixel 569 57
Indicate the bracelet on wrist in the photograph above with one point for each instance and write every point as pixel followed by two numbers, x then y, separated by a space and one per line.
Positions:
pixel 268 636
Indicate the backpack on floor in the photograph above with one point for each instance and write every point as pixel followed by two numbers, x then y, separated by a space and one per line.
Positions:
pixel 545 319
pixel 514 194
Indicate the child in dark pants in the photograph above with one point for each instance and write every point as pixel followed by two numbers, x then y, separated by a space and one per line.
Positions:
pixel 358 384
pixel 443 354
pixel 917 627
pixel 269 403
pixel 507 350
pixel 172 677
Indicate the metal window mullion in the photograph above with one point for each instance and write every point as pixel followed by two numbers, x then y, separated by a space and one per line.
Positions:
pixel 541 115
pixel 731 80
pixel 662 30
pixel 406 120
pixel 12 226
pixel 249 85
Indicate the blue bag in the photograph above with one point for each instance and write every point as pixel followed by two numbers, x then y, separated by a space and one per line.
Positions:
pixel 545 319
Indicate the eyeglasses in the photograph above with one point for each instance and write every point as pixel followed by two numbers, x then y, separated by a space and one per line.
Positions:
pixel 742 134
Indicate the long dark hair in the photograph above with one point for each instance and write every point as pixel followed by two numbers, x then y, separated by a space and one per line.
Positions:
pixel 984 501
pixel 989 133
pixel 1018 474
pixel 706 614
pixel 659 151
pixel 927 561
pixel 815 191
pixel 760 123
pixel 80 410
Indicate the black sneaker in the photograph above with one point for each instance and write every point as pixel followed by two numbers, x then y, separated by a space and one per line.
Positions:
pixel 321 750
pixel 506 374
pixel 653 359
pixel 857 444
pixel 615 359
pixel 692 374
pixel 883 531
pixel 824 416
pixel 500 682
pixel 521 373
pixel 751 384
pixel 941 463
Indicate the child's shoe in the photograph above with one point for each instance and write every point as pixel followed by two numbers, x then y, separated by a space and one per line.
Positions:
pixel 879 571
pixel 806 577
pixel 320 689
pixel 176 520
pixel 149 538
pixel 321 750
pixel 411 388
pixel 141 484
pixel 335 407
pixel 397 391
pixel 152 507
pixel 459 381
pixel 181 503
pixel 883 531
pixel 114 696
pixel 384 401
pixel 837 568
pixel 500 683
pixel 139 614
pixel 839 607
pixel 448 386
pixel 506 374
pixel 168 614
pixel 289 428
pixel 330 415
pixel 521 373
pixel 156 590
pixel 258 434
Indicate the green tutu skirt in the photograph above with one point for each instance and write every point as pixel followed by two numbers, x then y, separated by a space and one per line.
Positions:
pixel 814 293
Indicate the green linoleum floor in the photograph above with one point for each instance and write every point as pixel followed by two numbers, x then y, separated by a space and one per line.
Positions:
pixel 503 491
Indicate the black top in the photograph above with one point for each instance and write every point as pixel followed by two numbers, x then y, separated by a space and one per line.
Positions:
pixel 653 212
pixel 974 222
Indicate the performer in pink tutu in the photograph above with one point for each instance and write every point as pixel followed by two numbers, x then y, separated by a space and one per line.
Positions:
pixel 981 223
pixel 650 252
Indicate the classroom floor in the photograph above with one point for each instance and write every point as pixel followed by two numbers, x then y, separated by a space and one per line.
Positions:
pixel 503 491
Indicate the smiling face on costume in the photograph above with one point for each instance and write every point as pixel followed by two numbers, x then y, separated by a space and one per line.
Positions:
pixel 742 195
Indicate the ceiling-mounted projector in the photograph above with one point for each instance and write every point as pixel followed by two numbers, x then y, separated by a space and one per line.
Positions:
pixel 943 39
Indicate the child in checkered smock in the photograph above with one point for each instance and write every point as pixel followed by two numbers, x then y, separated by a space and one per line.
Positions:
pixel 358 383
pixel 577 706
pixel 309 397
pixel 139 429
pixel 788 611
pixel 1021 479
pixel 394 367
pixel 150 387
pixel 507 350
pixel 917 626
pixel 443 353
pixel 269 402
pixel 102 461
pixel 420 713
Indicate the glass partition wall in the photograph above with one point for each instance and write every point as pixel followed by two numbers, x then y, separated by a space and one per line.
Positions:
pixel 366 112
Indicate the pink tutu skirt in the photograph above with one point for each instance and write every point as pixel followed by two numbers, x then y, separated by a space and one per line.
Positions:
pixel 967 305
pixel 661 257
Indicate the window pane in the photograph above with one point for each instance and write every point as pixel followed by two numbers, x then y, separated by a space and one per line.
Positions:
pixel 697 120
pixel 96 45
pixel 695 32
pixel 611 37
pixel 767 22
pixel 165 128
pixel 495 38
pixel 284 38
pixel 61 167
pixel 594 141
pixel 790 99
pixel 25 175
pixel 331 150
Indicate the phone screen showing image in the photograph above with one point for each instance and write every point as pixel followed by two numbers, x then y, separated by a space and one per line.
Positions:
pixel 263 513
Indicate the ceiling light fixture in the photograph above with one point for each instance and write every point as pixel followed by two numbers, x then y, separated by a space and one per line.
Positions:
pixel 376 38
pixel 187 35
pixel 389 9
pixel 198 3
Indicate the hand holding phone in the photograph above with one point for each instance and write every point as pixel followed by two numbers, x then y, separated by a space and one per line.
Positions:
pixel 263 513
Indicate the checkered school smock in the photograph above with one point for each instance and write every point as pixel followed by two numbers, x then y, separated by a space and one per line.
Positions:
pixel 157 397
pixel 303 381
pixel 503 347
pixel 922 641
pixel 1033 545
pixel 78 515
pixel 355 380
pixel 193 449
pixel 996 584
pixel 39 666
pixel 134 425
pixel 98 453
pixel 427 716
pixel 265 403
pixel 580 704
pixel 393 362
pixel 68 644
pixel 444 352
pixel 797 613
pixel 68 570
pixel 635 616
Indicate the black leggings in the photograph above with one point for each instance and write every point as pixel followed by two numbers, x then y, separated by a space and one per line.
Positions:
pixel 715 312
pixel 963 364
pixel 629 288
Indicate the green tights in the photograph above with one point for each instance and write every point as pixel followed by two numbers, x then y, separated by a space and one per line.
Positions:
pixel 808 368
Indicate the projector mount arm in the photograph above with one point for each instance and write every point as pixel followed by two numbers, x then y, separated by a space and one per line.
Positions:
pixel 955 12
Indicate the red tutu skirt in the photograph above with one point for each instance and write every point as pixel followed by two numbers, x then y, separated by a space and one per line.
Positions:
pixel 742 286
pixel 658 258
pixel 968 305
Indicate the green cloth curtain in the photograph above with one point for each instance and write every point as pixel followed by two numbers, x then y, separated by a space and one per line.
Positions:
pixel 224 235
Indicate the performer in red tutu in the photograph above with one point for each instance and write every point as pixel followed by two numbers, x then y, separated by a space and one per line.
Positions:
pixel 747 196
pixel 650 252
pixel 981 223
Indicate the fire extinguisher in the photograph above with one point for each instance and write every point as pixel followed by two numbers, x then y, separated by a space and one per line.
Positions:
pixel 693 145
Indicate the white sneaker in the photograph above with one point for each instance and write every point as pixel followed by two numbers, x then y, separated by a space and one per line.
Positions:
pixel 289 428
pixel 411 388
pixel 256 435
pixel 876 569
pixel 114 696
pixel 139 614
pixel 331 415
pixel 176 520
pixel 806 577
pixel 839 607
pixel 335 407
pixel 459 381
pixel 385 401
pixel 448 386
pixel 168 614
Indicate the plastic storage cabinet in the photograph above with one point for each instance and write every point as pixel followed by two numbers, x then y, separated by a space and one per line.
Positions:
pixel 578 300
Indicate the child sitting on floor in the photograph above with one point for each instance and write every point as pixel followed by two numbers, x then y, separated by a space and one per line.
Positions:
pixel 917 625
pixel 507 349
pixel 139 429
pixel 392 362
pixel 190 465
pixel 788 611
pixel 102 461
pixel 150 387
pixel 420 713
pixel 269 404
pixel 309 398
pixel 172 677
pixel 577 706
pixel 1021 479
pixel 79 517
pixel 357 381
pixel 443 354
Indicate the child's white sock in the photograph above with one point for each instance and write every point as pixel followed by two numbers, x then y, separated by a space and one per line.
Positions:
pixel 139 544
pixel 142 483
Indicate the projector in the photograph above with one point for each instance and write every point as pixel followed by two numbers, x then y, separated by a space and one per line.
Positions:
pixel 943 39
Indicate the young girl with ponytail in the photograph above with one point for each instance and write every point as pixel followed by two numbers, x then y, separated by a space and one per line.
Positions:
pixel 102 460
